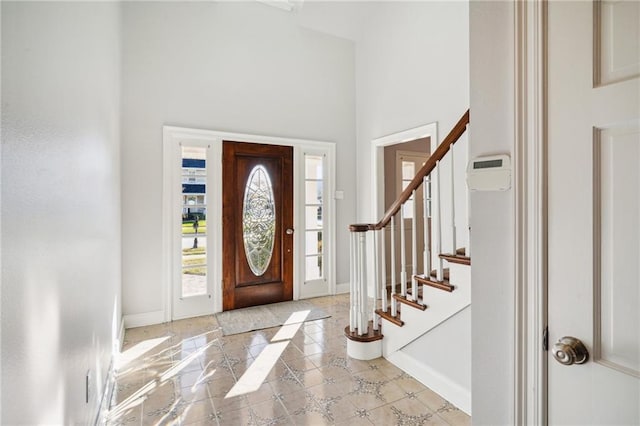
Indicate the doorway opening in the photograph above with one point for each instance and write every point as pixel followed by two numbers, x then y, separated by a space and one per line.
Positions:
pixel 396 158
pixel 401 162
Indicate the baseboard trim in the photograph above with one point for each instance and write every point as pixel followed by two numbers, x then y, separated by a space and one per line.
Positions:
pixel 107 395
pixel 141 320
pixel 443 386
pixel 312 295
pixel 121 335
pixel 342 288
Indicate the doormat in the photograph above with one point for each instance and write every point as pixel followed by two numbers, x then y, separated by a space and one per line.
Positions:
pixel 267 316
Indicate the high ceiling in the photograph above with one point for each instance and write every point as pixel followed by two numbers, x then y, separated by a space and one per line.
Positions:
pixel 339 18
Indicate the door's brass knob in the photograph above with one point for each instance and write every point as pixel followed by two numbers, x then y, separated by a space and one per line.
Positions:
pixel 570 350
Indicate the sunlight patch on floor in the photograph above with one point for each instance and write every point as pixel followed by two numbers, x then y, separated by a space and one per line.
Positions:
pixel 141 394
pixel 291 326
pixel 137 351
pixel 258 371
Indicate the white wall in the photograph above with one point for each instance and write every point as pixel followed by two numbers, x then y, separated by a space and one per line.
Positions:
pixel 411 69
pixel 241 67
pixel 491 38
pixel 61 208
pixel 446 350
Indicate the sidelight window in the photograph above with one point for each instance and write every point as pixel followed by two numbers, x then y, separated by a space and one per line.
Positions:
pixel 314 217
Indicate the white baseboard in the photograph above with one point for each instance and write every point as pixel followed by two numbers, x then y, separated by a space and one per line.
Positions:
pixel 121 335
pixel 443 386
pixel 342 288
pixel 107 395
pixel 140 320
pixel 312 295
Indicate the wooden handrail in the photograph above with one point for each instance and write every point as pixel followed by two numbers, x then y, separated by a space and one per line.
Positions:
pixel 453 136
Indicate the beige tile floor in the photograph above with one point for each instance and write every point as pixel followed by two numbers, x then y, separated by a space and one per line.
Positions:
pixel 179 373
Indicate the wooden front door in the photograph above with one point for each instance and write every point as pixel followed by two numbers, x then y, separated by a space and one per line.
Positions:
pixel 257 224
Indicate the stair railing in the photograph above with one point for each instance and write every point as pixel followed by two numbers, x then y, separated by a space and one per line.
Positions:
pixel 429 178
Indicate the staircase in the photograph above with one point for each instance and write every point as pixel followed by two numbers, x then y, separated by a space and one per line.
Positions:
pixel 405 315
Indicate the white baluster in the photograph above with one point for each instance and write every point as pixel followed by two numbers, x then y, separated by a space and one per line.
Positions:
pixel 376 278
pixel 358 281
pixel 352 282
pixel 438 226
pixel 453 202
pixel 393 266
pixel 384 293
pixel 426 253
pixel 364 324
pixel 414 248
pixel 403 256
pixel 468 250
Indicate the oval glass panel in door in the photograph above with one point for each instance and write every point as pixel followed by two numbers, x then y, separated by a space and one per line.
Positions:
pixel 258 220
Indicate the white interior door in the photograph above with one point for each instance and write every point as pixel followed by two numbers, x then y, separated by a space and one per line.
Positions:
pixel 594 209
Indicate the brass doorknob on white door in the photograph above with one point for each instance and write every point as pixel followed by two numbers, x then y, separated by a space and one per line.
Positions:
pixel 569 351
pixel 289 231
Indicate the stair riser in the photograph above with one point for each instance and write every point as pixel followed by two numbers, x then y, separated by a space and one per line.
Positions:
pixel 459 274
pixel 441 305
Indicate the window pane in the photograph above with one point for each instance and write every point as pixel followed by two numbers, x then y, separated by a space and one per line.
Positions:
pixel 313 192
pixel 407 209
pixel 313 217
pixel 313 268
pixel 258 220
pixel 408 170
pixel 313 167
pixel 194 222
pixel 313 242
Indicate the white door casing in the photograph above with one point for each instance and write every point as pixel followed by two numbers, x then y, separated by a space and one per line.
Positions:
pixel 175 307
pixel 379 181
pixel 594 209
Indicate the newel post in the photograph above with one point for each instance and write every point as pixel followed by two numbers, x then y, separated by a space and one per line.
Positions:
pixel 363 339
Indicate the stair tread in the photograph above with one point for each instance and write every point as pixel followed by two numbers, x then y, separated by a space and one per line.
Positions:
pixel 432 282
pixel 387 315
pixel 413 303
pixel 456 258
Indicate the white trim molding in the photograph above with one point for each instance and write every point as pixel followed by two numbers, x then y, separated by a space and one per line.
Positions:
pixel 173 135
pixel 377 153
pixel 530 393
pixel 342 288
pixel 141 320
pixel 443 386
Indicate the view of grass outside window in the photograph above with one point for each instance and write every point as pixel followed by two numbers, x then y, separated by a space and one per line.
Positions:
pixel 194 222
pixel 314 224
